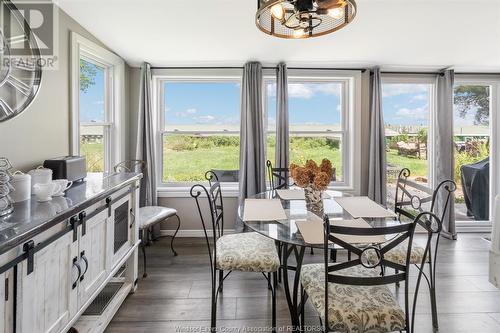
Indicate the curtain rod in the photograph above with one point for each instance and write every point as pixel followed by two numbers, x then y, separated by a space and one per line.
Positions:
pixel 325 69
pixel 264 67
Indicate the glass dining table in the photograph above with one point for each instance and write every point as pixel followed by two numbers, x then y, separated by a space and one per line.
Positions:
pixel 290 242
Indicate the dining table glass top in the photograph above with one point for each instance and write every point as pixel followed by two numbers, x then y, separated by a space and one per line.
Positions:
pixel 296 211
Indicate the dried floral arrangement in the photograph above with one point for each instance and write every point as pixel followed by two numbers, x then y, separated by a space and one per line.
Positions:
pixel 313 175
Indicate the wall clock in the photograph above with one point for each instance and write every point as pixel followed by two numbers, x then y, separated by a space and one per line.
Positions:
pixel 20 63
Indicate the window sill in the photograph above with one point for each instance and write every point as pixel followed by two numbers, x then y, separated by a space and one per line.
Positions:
pixel 184 191
pixel 228 191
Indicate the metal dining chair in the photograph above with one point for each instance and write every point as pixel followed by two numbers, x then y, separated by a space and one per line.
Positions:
pixel 412 199
pixel 246 252
pixel 278 177
pixel 149 216
pixel 353 296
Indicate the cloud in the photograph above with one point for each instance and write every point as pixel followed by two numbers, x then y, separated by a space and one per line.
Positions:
pixel 299 90
pixel 306 90
pixel 328 88
pixel 204 119
pixel 186 113
pixel 421 113
pixel 420 97
pixel 391 89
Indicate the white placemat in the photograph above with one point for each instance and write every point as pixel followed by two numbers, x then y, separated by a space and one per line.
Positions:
pixel 291 194
pixel 263 210
pixel 312 231
pixel 363 207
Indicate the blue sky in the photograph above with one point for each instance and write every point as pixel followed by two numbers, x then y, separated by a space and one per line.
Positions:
pixel 309 104
pixel 406 104
pixel 202 103
pixel 92 100
pixel 219 103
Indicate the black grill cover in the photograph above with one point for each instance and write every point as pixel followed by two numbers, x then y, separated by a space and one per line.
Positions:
pixel 476 188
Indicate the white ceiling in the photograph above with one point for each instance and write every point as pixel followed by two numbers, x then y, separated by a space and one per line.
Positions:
pixel 396 34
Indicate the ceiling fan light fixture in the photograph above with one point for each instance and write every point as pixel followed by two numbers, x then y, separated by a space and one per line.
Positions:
pixel 299 33
pixel 285 18
pixel 277 11
pixel 336 13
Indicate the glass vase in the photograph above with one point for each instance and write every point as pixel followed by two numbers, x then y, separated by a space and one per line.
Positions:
pixel 314 201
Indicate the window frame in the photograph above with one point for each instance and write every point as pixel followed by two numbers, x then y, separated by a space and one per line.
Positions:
pixel 421 79
pixel 114 112
pixel 350 118
pixel 201 75
pixel 494 82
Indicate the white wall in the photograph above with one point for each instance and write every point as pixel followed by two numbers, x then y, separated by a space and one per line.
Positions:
pixel 43 130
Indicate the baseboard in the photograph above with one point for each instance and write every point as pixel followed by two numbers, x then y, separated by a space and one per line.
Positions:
pixel 480 227
pixel 192 233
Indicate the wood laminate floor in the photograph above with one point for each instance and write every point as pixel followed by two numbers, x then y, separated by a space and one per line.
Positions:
pixel 175 297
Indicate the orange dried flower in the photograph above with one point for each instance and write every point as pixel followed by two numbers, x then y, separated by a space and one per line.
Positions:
pixel 321 181
pixel 293 168
pixel 311 165
pixel 326 166
pixel 301 176
pixel 313 175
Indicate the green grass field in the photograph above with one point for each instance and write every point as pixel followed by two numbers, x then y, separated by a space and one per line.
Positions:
pixel 94 154
pixel 417 166
pixel 186 158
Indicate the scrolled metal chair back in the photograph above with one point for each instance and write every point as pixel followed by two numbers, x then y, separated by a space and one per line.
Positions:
pixel 215 222
pixel 411 197
pixel 432 224
pixel 217 201
pixel 372 257
pixel 278 177
pixel 444 193
pixel 130 166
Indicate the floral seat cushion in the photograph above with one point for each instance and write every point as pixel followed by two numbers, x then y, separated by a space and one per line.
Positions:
pixel 247 252
pixel 353 309
pixel 398 254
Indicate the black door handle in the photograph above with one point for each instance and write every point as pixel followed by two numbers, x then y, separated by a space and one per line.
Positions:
pixel 82 255
pixel 79 268
pixel 133 218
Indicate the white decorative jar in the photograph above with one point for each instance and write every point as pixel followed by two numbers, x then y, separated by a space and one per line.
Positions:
pixel 40 175
pixel 22 186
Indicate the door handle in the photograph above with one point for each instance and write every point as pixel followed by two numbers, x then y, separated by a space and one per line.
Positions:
pixel 79 268
pixel 83 221
pixel 82 255
pixel 133 218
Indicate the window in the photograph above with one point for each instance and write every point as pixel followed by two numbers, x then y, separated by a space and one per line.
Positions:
pixel 407 116
pixel 97 78
pixel 472 103
pixel 200 123
pixel 321 122
pixel 94 129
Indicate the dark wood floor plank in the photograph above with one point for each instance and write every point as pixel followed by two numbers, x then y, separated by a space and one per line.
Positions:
pixel 175 297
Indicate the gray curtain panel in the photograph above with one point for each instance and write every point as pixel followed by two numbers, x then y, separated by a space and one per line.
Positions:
pixel 282 137
pixel 444 146
pixel 145 149
pixel 252 146
pixel 377 187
